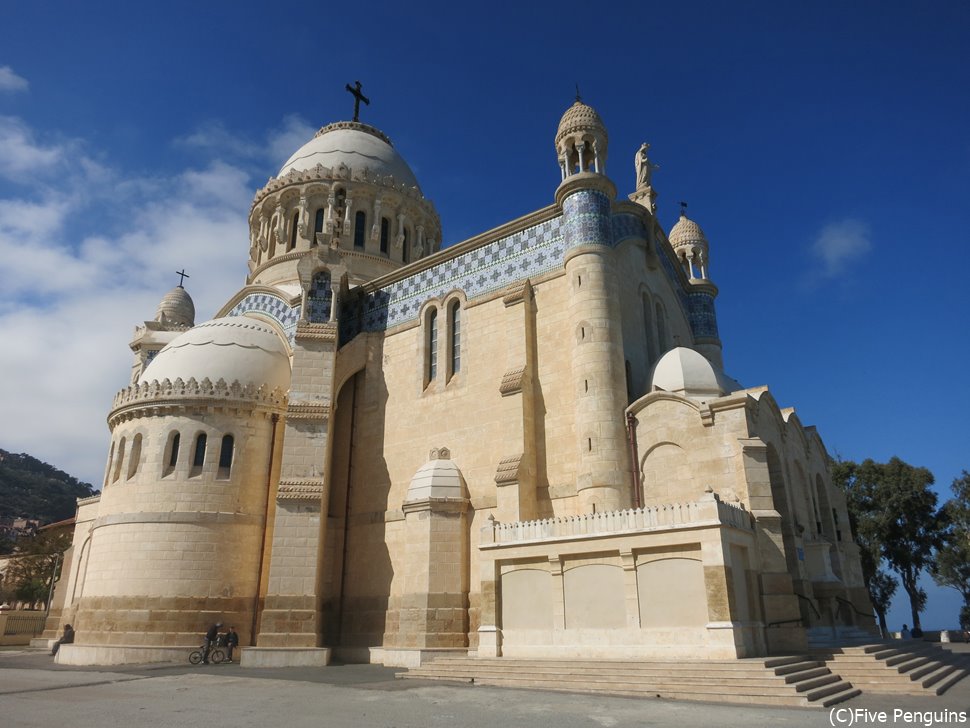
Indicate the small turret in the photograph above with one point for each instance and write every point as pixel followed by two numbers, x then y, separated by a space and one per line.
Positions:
pixel 174 316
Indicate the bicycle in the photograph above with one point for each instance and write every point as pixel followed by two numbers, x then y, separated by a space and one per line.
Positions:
pixel 216 655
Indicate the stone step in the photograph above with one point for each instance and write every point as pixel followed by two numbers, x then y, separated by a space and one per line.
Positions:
pixel 646 674
pixel 941 686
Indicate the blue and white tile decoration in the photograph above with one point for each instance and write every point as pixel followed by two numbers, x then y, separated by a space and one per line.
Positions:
pixel 524 254
pixel 586 216
pixel 703 320
pixel 319 298
pixel 528 253
pixel 274 307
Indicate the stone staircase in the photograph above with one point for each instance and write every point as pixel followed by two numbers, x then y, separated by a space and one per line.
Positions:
pixel 895 667
pixel 782 681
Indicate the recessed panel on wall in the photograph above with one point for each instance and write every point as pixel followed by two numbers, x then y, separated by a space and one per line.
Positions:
pixel 527 599
pixel 671 593
pixel 593 596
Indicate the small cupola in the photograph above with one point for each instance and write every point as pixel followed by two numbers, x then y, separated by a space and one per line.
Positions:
pixel 581 141
pixel 690 245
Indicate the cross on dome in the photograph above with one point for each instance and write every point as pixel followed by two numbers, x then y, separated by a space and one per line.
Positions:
pixel 358 97
pixel 183 275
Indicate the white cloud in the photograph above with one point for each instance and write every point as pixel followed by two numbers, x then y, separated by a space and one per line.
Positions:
pixel 71 297
pixel 839 244
pixel 10 81
pixel 20 153
pixel 293 134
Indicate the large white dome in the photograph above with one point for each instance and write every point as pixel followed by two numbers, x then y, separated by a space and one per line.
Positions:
pixel 356 145
pixel 231 348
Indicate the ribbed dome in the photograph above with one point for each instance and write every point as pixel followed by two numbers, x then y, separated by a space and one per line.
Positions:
pixel 689 373
pixel 358 146
pixel 579 118
pixel 231 348
pixel 436 479
pixel 176 308
pixel 686 232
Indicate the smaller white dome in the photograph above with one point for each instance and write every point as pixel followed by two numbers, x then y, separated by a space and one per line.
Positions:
pixel 231 348
pixel 436 479
pixel 687 372
pixel 176 308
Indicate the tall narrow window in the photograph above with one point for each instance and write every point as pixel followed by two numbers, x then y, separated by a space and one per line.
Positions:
pixel 134 458
pixel 198 459
pixel 360 227
pixel 406 249
pixel 317 226
pixel 385 235
pixel 432 344
pixel 107 470
pixel 119 461
pixel 454 314
pixel 293 228
pixel 225 456
pixel 661 330
pixel 173 453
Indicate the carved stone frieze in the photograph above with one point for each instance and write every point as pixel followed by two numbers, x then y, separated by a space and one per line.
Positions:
pixel 507 471
pixel 308 411
pixel 512 381
pixel 307 489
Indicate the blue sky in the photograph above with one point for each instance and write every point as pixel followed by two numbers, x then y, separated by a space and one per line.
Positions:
pixel 824 148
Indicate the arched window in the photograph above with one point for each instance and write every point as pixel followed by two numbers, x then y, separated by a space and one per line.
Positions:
pixel 107 469
pixel 406 249
pixel 385 235
pixel 360 228
pixel 432 371
pixel 317 226
pixel 172 453
pixel 225 456
pixel 134 458
pixel 454 326
pixel 293 228
pixel 118 462
pixel 198 459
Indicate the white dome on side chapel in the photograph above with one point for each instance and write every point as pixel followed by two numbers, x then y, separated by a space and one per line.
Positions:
pixel 234 348
pixel 355 145
pixel 687 372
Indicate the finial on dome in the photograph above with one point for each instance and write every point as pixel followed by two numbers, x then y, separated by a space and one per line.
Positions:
pixel 579 99
pixel 358 97
pixel 683 209
pixel 183 275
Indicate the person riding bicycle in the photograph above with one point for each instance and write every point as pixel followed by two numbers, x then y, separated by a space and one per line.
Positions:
pixel 210 638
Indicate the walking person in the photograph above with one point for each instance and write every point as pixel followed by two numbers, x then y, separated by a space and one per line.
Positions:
pixel 232 641
pixel 210 637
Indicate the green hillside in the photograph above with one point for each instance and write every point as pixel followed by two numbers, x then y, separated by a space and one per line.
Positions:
pixel 30 488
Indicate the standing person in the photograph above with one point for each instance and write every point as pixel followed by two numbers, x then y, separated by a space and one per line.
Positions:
pixel 210 638
pixel 232 641
pixel 66 639
pixel 905 633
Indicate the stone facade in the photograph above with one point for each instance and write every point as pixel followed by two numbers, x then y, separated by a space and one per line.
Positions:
pixel 522 444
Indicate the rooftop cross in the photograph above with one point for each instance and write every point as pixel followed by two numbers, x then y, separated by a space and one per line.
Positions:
pixel 683 209
pixel 358 97
pixel 184 276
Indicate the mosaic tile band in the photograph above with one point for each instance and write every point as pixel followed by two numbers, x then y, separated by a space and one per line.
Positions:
pixel 274 307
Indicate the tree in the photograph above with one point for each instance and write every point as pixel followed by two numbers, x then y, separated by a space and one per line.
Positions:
pixel 895 514
pixel 952 565
pixel 36 565
pixel 882 587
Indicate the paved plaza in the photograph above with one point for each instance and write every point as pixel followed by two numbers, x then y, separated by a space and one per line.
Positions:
pixel 34 692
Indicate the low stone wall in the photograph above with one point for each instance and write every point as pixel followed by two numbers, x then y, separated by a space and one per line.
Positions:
pixel 19 627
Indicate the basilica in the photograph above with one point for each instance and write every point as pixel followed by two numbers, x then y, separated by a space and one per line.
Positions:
pixel 524 444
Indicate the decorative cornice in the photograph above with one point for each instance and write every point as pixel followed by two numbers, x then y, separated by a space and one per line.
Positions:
pixel 159 397
pixel 308 411
pixel 308 331
pixel 308 489
pixel 518 293
pixel 508 470
pixel 512 382
pixel 341 173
